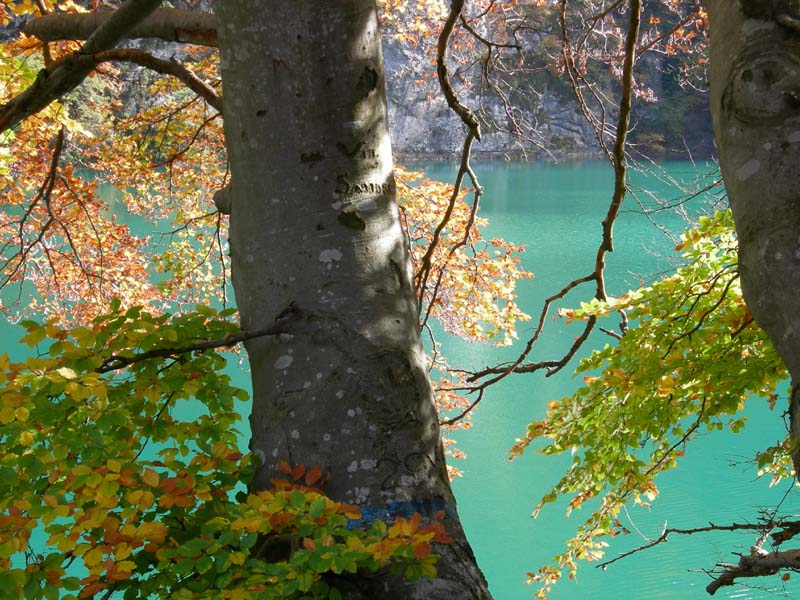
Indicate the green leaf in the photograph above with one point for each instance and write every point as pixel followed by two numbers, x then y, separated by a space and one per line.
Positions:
pixel 305 581
pixel 317 508
pixel 297 499
pixel 184 566
pixel 71 583
pixel 51 592
pixel 35 335
pixel 32 590
pixel 204 564
pixel 248 541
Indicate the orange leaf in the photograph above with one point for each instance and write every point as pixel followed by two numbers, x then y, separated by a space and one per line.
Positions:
pixel 421 550
pixel 313 475
pixel 150 477
pixel 91 590
pixel 297 472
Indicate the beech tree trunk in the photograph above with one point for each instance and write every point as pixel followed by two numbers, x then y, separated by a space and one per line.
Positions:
pixel 315 233
pixel 755 103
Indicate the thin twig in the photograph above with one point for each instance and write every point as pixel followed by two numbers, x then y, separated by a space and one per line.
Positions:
pixel 282 325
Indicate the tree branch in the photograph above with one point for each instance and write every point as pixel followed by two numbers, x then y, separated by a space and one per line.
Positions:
pixel 755 566
pixel 165 67
pixel 474 133
pixel 617 158
pixel 169 24
pixel 63 77
pixel 453 102
pixel 618 152
pixel 43 194
pixel 281 325
pixel 766 526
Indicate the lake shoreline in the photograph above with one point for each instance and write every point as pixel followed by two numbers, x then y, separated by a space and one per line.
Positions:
pixel 538 156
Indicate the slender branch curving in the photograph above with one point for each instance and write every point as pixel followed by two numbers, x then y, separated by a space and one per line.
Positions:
pixel 474 133
pixel 617 157
pixel 165 67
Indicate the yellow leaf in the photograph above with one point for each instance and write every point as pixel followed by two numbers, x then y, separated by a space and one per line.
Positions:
pixel 7 414
pixel 22 504
pixel 250 524
pixel 93 556
pixel 127 566
pixel 203 492
pixel 154 531
pixel 93 518
pixel 67 373
pixel 122 552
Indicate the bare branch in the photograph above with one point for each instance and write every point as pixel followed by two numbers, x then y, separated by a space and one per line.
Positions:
pixel 453 102
pixel 618 159
pixel 668 531
pixel 756 566
pixel 517 366
pixel 169 24
pixel 43 194
pixel 618 152
pixel 165 67
pixel 486 42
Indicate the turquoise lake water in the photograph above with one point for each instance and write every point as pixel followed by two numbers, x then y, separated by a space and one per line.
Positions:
pixel 556 211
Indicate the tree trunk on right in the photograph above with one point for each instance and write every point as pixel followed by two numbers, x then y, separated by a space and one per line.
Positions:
pixel 755 104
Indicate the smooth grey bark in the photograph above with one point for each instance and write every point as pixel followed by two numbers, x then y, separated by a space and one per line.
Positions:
pixel 168 24
pixel 755 104
pixel 315 232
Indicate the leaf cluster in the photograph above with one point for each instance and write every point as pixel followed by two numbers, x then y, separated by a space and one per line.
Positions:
pixel 474 290
pixel 112 481
pixel 690 361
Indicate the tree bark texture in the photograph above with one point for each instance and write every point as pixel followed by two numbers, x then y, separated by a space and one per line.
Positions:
pixel 315 231
pixel 168 24
pixel 755 96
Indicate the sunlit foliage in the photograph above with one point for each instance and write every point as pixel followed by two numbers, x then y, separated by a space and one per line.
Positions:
pixel 690 360
pixel 111 480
